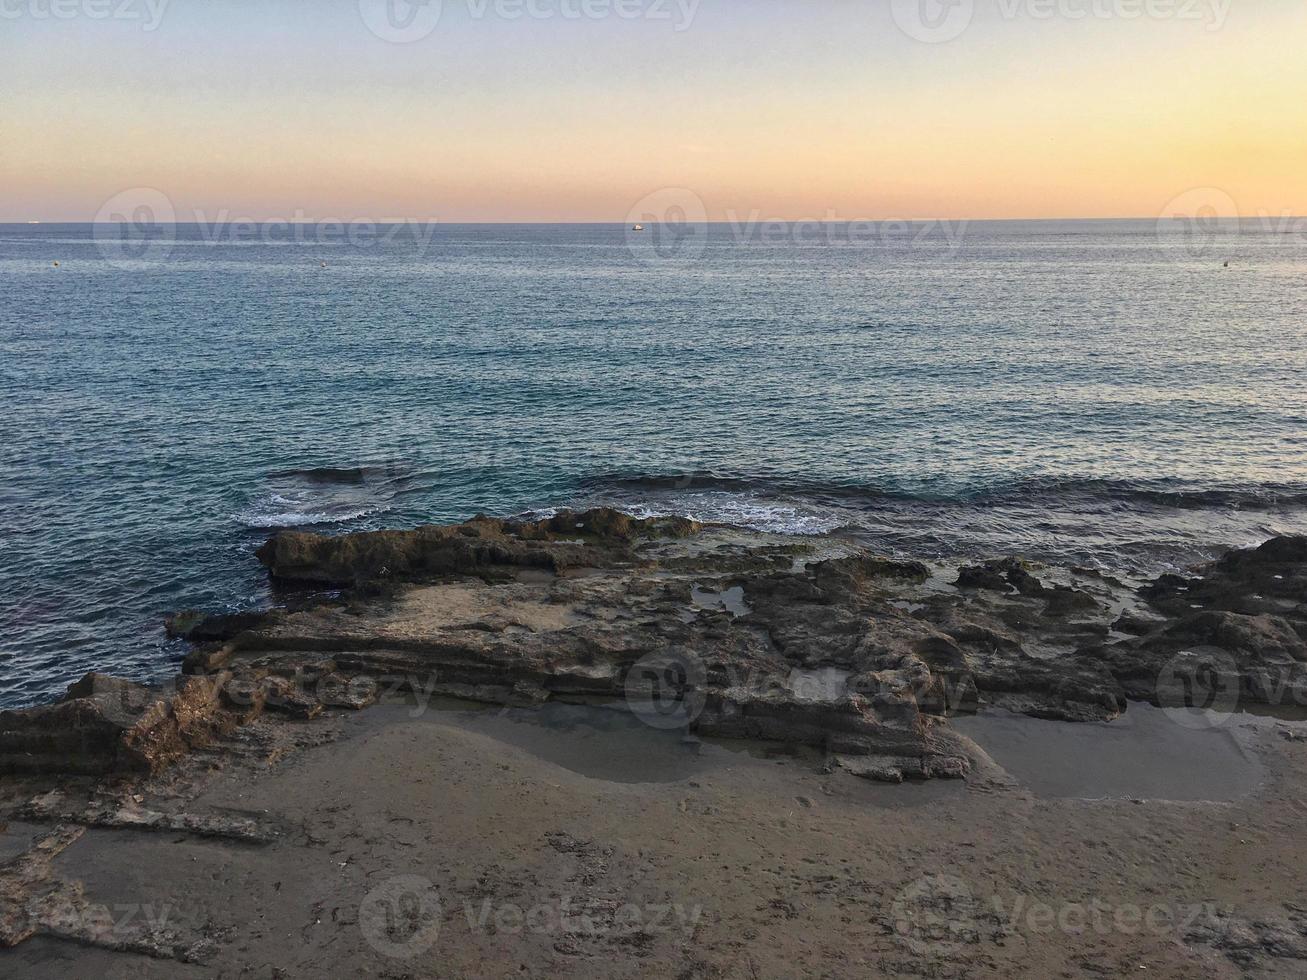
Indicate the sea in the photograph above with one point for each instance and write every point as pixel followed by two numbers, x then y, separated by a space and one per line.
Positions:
pixel 1127 395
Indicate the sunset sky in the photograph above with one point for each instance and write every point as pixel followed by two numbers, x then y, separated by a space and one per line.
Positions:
pixel 789 108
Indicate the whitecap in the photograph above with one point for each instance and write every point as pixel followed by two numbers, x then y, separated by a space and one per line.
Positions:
pixel 738 510
pixel 323 495
pixel 301 519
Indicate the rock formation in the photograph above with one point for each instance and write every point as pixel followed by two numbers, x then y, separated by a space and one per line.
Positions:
pixel 859 656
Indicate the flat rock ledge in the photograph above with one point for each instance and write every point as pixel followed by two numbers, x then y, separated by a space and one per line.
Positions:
pixel 715 630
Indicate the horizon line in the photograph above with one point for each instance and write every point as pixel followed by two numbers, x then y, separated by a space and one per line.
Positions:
pixel 28 222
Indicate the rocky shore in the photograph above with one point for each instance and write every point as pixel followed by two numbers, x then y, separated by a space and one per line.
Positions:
pixel 840 663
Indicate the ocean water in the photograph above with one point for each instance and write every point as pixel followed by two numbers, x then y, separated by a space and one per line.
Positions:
pixel 1095 392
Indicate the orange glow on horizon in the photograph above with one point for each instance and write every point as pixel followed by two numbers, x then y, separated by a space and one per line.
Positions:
pixel 1098 120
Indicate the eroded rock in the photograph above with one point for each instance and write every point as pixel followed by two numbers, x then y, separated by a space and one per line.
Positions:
pixel 123 812
pixel 857 655
pixel 482 546
pixel 105 725
pixel 1234 632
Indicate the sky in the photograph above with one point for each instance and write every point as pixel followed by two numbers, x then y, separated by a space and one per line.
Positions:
pixel 587 110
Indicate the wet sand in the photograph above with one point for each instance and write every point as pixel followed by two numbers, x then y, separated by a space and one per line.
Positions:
pixel 1147 753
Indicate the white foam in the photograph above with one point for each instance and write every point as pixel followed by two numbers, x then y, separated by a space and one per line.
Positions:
pixel 754 513
pixel 299 520
pixel 294 518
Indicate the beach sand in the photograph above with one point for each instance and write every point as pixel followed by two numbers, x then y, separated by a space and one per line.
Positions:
pixel 746 867
pixel 530 827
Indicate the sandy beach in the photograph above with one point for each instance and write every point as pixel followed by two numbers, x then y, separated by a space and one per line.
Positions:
pixel 513 865
pixel 895 799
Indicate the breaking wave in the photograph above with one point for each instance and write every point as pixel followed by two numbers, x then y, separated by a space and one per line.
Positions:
pixel 325 495
pixel 1114 525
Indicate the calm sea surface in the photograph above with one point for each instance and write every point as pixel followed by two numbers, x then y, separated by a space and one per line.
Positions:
pixel 1073 391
